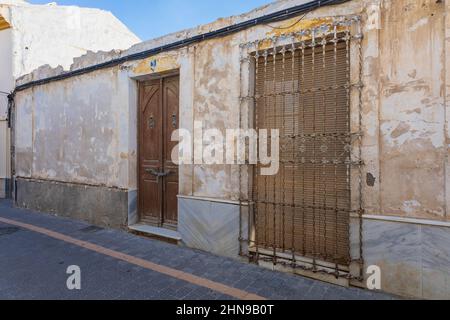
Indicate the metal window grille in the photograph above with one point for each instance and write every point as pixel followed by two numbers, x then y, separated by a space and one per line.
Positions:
pixel 302 86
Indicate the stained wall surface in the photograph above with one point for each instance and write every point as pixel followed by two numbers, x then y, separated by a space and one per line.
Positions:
pixel 404 107
pixel 35 35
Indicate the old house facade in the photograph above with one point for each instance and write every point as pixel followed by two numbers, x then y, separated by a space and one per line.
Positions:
pixel 359 91
pixel 36 35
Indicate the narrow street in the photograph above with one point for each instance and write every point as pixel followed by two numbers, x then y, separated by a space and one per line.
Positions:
pixel 36 250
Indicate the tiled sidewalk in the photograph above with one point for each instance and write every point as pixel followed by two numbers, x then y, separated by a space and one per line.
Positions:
pixel 33 265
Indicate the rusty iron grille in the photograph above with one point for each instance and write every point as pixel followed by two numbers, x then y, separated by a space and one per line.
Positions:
pixel 302 86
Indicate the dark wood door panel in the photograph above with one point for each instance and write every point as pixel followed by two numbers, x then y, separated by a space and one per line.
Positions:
pixel 151 124
pixel 150 146
pixel 150 199
pixel 171 203
pixel 171 123
pixel 158 175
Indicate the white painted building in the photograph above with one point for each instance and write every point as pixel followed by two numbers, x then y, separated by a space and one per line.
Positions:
pixel 35 35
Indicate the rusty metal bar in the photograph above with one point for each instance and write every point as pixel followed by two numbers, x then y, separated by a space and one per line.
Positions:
pixel 283 120
pixel 255 173
pixel 266 53
pixel 313 74
pixel 347 39
pixel 336 212
pixel 324 147
pixel 359 38
pixel 303 47
pixel 274 207
pixel 294 207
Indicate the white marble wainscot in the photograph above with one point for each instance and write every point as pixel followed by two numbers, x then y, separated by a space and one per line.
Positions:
pixel 436 262
pixel 414 256
pixel 209 226
pixel 133 216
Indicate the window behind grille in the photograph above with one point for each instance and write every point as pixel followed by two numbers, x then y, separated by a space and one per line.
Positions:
pixel 305 207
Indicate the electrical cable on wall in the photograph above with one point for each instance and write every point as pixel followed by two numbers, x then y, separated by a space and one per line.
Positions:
pixel 319 4
pixel 290 26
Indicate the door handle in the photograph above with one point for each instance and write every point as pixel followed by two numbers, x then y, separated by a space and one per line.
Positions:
pixel 157 174
pixel 174 121
pixel 151 122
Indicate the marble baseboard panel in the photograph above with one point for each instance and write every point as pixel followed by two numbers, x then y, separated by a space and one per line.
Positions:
pixel 414 259
pixel 133 215
pixel 209 226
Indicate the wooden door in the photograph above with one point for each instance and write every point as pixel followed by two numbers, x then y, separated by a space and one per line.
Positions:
pixel 158 175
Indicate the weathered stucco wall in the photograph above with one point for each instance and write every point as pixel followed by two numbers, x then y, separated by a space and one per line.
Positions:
pixel 53 35
pixel 404 109
pixel 72 131
pixel 412 113
pixel 405 138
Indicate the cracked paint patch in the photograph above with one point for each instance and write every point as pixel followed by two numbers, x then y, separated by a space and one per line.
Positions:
pixel 411 206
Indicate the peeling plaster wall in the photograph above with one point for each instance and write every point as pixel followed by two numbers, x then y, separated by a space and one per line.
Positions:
pixel 75 132
pixel 412 114
pixel 217 66
pixel 51 35
pixel 447 104
pixel 404 109
pixel 404 145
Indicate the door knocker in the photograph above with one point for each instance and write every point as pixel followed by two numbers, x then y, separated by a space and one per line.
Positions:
pixel 151 123
pixel 174 120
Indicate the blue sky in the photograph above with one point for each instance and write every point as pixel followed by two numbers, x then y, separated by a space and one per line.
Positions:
pixel 153 18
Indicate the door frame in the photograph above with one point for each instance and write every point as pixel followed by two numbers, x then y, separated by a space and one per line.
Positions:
pixel 139 81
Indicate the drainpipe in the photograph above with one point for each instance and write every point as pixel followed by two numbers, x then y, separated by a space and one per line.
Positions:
pixel 11 125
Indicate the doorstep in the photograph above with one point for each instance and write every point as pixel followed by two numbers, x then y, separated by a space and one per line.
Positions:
pixel 156 232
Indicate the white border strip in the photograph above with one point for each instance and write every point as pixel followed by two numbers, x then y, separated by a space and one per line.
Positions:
pixel 215 200
pixel 423 222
